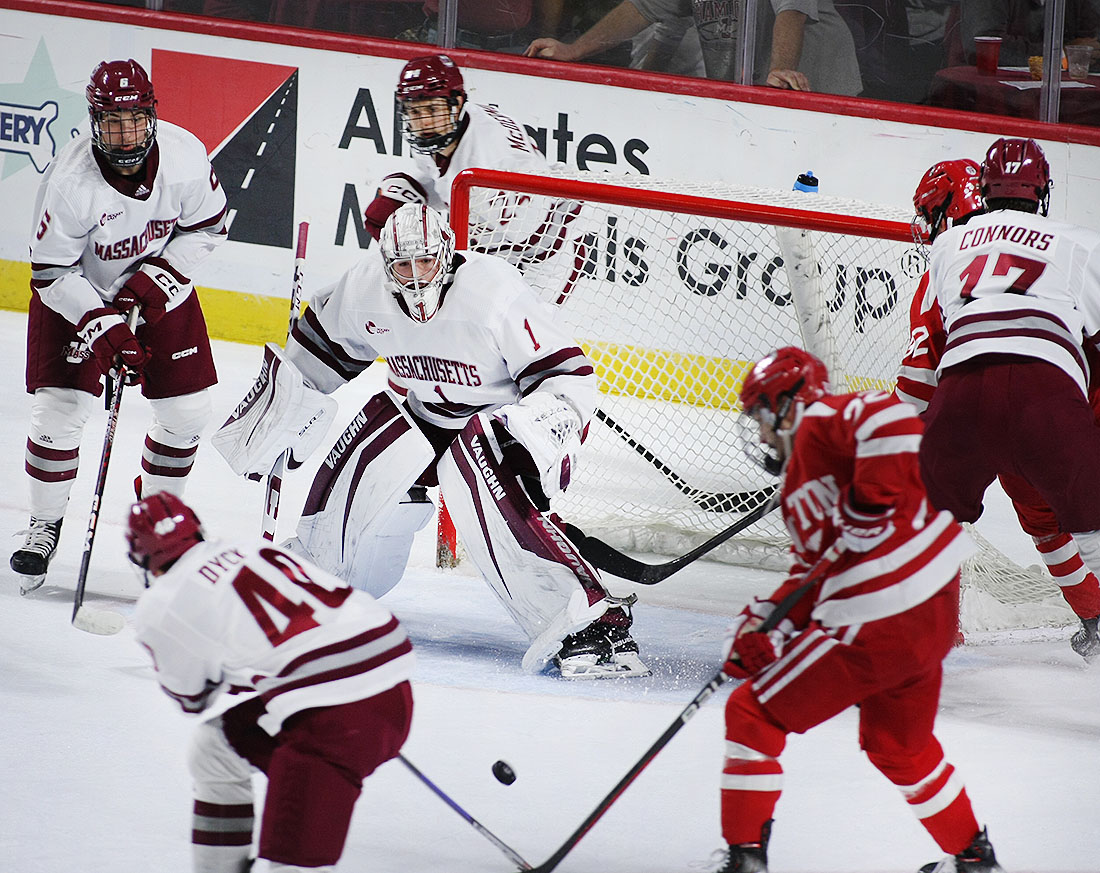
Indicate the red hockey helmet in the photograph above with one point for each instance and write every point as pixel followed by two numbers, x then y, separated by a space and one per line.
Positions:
pixel 1016 169
pixel 786 375
pixel 948 194
pixel 160 529
pixel 428 78
pixel 786 381
pixel 120 93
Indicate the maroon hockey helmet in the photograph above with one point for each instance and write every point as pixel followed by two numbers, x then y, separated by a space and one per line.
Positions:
pixel 948 194
pixel 117 86
pixel 426 78
pixel 159 530
pixel 1016 169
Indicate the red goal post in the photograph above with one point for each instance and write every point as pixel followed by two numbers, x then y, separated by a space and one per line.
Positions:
pixel 674 289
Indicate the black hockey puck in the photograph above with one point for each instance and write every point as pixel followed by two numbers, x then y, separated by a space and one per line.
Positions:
pixel 504 773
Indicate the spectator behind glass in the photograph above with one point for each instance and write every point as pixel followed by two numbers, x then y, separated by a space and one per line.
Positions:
pixel 1020 24
pixel 491 25
pixel 801 45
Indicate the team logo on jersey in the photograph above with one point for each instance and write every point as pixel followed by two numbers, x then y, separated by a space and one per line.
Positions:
pixel 25 130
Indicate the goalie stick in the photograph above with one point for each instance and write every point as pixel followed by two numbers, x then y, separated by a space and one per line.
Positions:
pixel 607 557
pixel 711 501
pixel 778 614
pixel 508 851
pixel 96 621
pixel 274 483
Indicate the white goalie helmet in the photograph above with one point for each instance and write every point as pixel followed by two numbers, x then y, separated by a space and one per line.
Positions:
pixel 417 249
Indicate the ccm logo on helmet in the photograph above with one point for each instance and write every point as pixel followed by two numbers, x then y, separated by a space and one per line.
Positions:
pixel 194 350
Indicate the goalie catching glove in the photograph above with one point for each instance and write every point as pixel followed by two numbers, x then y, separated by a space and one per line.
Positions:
pixel 156 288
pixel 549 430
pixel 279 412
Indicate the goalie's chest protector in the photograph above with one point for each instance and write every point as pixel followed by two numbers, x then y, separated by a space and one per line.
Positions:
pixel 471 351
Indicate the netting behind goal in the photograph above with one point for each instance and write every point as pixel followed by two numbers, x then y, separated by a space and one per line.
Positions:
pixel 674 289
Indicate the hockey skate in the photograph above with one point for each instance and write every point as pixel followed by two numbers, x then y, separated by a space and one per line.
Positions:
pixel 978 857
pixel 603 650
pixel 1086 642
pixel 743 858
pixel 32 560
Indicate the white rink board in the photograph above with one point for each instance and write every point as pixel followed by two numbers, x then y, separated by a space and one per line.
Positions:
pixel 588 125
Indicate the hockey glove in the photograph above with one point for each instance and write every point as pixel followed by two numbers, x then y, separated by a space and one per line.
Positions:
pixel 113 344
pixel 155 287
pixel 861 530
pixel 746 650
pixel 394 192
pixel 549 429
pixel 279 412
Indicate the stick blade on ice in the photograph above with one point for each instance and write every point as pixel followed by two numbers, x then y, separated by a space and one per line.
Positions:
pixel 96 621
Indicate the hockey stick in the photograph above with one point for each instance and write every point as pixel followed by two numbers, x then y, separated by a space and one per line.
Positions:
pixel 778 614
pixel 95 621
pixel 508 851
pixel 711 501
pixel 274 483
pixel 607 557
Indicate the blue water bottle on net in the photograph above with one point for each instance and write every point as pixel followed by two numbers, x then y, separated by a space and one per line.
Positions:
pixel 806 182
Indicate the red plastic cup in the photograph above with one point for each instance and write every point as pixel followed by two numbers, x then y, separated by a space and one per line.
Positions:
pixel 989 53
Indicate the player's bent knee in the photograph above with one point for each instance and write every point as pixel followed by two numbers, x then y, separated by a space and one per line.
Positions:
pixel 60 413
pixel 220 774
pixel 183 416
pixel 748 723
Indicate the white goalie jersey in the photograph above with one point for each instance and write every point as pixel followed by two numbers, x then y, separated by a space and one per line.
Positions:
pixel 491 342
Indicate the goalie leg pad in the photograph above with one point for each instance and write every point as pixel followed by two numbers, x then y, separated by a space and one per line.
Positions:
pixel 58 416
pixel 358 488
pixel 383 552
pixel 221 830
pixel 279 412
pixel 533 569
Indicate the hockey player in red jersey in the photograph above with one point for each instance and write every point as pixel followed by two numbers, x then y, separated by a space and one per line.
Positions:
pixel 1019 296
pixel 871 631
pixel 488 398
pixel 123 216
pixel 949 194
pixel 327 668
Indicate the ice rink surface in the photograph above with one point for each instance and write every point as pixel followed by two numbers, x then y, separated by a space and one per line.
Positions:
pixel 93 755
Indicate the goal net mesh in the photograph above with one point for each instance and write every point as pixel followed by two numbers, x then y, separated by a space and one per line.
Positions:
pixel 674 289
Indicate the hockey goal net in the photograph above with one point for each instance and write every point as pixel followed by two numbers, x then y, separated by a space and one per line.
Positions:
pixel 674 289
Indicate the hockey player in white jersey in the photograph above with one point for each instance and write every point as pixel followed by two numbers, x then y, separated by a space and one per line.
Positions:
pixel 1020 297
pixel 447 135
pixel 327 670
pixel 488 397
pixel 123 216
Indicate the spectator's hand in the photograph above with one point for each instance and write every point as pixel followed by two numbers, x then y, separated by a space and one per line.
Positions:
pixel 552 49
pixel 792 80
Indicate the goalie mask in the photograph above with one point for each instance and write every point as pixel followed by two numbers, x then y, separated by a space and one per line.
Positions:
pixel 123 112
pixel 775 394
pixel 160 529
pixel 430 100
pixel 948 194
pixel 417 250
pixel 1017 169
